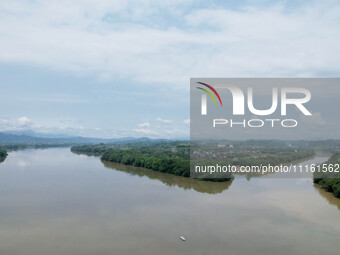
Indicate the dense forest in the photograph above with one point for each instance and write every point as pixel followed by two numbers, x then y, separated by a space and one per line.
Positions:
pixel 167 157
pixel 152 158
pixel 3 155
pixel 330 180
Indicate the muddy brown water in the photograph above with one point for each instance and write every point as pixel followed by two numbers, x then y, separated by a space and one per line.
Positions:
pixel 55 202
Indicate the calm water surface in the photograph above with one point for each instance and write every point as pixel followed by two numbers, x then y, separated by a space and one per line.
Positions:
pixel 56 202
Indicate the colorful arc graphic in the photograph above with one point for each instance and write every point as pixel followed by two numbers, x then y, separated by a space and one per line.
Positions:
pixel 212 89
pixel 208 93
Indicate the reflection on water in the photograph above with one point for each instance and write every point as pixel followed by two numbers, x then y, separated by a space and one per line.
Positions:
pixel 170 179
pixel 56 202
pixel 328 196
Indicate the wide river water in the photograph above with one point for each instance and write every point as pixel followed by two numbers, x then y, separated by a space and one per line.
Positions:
pixel 55 202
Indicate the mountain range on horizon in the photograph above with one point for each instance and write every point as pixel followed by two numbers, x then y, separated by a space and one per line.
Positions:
pixel 30 136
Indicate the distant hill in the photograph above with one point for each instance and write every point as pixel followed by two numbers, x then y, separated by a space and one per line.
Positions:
pixel 27 136
pixel 32 133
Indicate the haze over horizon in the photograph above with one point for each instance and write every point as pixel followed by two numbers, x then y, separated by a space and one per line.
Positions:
pixel 119 69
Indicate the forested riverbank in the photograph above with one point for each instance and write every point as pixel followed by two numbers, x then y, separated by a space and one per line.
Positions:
pixel 329 177
pixel 3 155
pixel 167 157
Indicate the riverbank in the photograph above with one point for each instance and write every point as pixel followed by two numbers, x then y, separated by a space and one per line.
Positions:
pixel 3 155
pixel 329 177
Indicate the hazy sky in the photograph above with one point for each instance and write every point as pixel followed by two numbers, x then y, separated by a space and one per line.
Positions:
pixel 122 68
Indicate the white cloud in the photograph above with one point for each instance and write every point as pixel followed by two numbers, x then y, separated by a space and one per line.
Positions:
pixel 22 121
pixel 164 121
pixel 144 131
pixel 144 124
pixel 72 128
pixel 51 99
pixel 187 121
pixel 119 38
pixel 65 120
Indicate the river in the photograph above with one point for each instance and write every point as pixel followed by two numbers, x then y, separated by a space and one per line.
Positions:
pixel 53 201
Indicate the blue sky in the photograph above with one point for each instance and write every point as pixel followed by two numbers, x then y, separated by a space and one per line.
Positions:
pixel 122 68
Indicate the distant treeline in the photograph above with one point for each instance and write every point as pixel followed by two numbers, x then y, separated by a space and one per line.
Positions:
pixel 22 146
pixel 330 180
pixel 274 157
pixel 3 155
pixel 90 149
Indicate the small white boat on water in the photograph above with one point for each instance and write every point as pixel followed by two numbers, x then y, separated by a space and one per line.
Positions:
pixel 182 238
